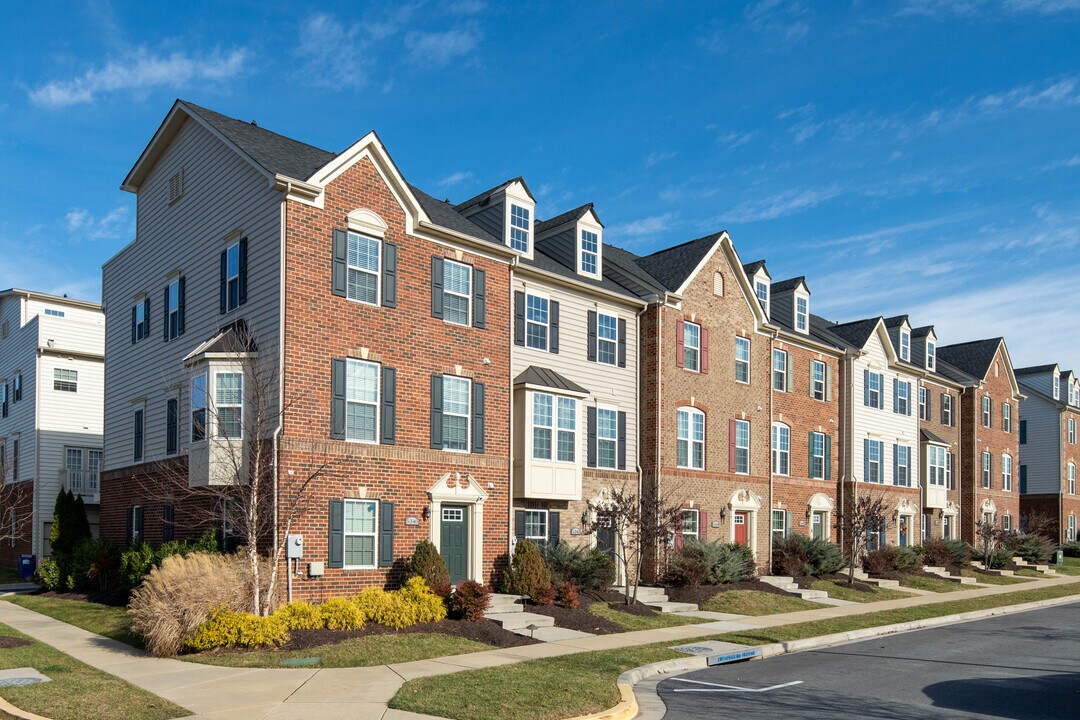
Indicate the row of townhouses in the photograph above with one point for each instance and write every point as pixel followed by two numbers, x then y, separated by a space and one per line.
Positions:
pixel 470 374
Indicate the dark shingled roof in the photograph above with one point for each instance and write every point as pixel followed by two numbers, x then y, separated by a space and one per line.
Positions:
pixel 628 263
pixel 921 331
pixel 480 197
pixel 931 437
pixel 1035 369
pixel 789 284
pixel 568 216
pixel 752 267
pixel 443 214
pixel 896 321
pixel 671 267
pixel 953 373
pixel 544 377
pixel 276 154
pixel 973 357
pixel 855 333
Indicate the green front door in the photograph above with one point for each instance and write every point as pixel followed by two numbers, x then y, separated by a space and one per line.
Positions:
pixel 454 541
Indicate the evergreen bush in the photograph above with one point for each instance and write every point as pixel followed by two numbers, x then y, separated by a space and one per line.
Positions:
pixel 528 571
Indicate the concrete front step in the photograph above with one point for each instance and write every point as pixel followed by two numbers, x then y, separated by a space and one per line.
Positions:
pixel 554 634
pixel 787 584
pixel 502 604
pixel 671 607
pixel 520 621
pixel 945 575
pixel 807 594
pixel 644 593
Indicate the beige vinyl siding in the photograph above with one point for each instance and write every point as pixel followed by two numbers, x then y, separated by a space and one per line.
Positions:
pixel 883 425
pixel 1042 451
pixel 223 195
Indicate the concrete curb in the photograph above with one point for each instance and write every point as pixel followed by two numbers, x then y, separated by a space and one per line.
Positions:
pixel 625 710
pixel 8 708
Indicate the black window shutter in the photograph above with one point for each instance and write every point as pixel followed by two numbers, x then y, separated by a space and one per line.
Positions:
pixel 621 462
pixel 479 284
pixel 128 532
pixel 139 521
pixel 590 425
pixel 146 317
pixel 223 283
pixel 339 271
pixel 436 412
pixel 477 417
pixel 134 327
pixel 242 278
pixel 553 317
pixel 336 556
pixel 553 528
pixel 389 406
pixel 181 305
pixel 592 336
pixel 167 526
pixel 437 287
pixel 171 425
pixel 389 274
pixel 337 402
pixel 519 524
pixel 519 318
pixel 165 315
pixel 866 387
pixel 386 534
pixel 622 343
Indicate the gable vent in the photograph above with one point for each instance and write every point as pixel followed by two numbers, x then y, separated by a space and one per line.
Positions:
pixel 176 186
pixel 718 284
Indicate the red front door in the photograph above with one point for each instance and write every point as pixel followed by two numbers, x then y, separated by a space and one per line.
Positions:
pixel 740 528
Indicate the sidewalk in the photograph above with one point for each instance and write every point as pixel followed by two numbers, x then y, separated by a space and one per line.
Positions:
pixel 216 693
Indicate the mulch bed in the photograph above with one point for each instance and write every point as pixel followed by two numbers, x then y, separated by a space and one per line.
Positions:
pixel 580 619
pixel 901 575
pixel 6 642
pixel 699 595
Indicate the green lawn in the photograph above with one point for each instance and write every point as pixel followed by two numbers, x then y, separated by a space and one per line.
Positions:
pixel 988 579
pixel 77 691
pixel 840 590
pixel 572 685
pixel 629 622
pixel 7 575
pixel 757 602
pixel 106 620
pixel 1071 566
pixel 921 582
pixel 1028 572
pixel 356 652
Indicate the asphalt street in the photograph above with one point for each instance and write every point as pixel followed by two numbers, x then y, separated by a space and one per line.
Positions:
pixel 1024 666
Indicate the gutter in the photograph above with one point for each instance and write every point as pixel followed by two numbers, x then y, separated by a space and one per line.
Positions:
pixel 510 420
pixel 575 285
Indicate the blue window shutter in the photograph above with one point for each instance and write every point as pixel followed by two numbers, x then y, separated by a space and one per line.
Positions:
pixel 386 534
pixel 134 327
pixel 337 402
pixel 477 417
pixel 146 317
pixel 519 318
pixel 336 555
pixel 241 280
pixel 223 302
pixel 895 464
pixel 622 343
pixel 436 412
pixel 181 305
pixel 590 431
pixel 553 318
pixel 866 459
pixel 165 315
pixel 388 421
pixel 437 287
pixel 339 271
pixel 866 387
pixel 389 275
pixel 895 395
pixel 479 298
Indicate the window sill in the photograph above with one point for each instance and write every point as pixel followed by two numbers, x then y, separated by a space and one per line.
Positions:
pixel 360 567
pixel 687 467
pixel 457 452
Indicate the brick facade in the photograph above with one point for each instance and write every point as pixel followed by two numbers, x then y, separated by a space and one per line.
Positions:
pixel 935 423
pixel 18 499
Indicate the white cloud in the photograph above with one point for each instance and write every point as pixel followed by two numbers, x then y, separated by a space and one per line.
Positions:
pixel 785 203
pixel 645 226
pixel 973 8
pixel 331 53
pixel 456 178
pixel 655 158
pixel 439 48
pixel 1046 7
pixel 735 139
pixel 113 225
pixel 141 70
pixel 777 17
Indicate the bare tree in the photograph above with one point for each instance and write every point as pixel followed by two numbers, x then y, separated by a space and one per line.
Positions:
pixel 988 537
pixel 865 516
pixel 1041 523
pixel 640 522
pixel 16 507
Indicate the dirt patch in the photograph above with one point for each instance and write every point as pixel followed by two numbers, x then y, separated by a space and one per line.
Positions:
pixel 699 595
pixel 579 619
pixel 482 631
pixel 6 642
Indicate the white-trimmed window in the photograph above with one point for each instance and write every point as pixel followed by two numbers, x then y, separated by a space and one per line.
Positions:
pixel 232 277
pixel 923 414
pixel 1070 533
pixel 816 450
pixel 937 459
pixel 903 465
pixel 1057 386
pixel 1072 479
pixel 54 313
pixel 457 394
pixel 987 412
pixel 742 360
pixel 873 461
pixel 360 533
pixel 543 426
pixel 905 345
pixel 607 437
pixel 903 398
pixel 1006 417
pixel 742 447
pixel 1072 431
pixel 691 523
pixel 779 524
pixel 566 450
pixel 691 438
pixel 142 323
pixel 537 319
pixel 761 289
pixel 65 380
pixel 817 380
pixel 457 292
pixel 536 526
pixel 198 407
pixel 554 418
pixel 873 393
pixel 607 339
pixel 946 409
pixel 229 404
pixel 590 252
pixel 361 401
pixel 931 357
pixel 779 370
pixel 802 313
pixel 781 449
pixel 520 227
pixel 1006 472
pixel 692 346
pixel 1006 523
pixel 364 257
pixel 987 469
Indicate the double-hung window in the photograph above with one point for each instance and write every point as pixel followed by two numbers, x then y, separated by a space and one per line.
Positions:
pixel 930 355
pixel 1006 472
pixel 1070 533
pixel 361 401
pixel 761 289
pixel 691 438
pixel 1072 431
pixel 457 292
pixel 905 345
pixel 140 322
pixel 873 390
pixel 987 412
pixel 65 380
pixel 802 312
pixel 742 447
pixel 229 404
pixel 456 394
pixel 543 426
pixel 781 449
pixel 817 456
pixel 691 524
pixel 537 319
pixel 607 437
pixel 198 407
pixel 519 228
pixel 137 453
pixel 873 461
pixel 1006 417
pixel 607 339
pixel 361 521
pixel 1072 479
pixel 692 346
pixel 172 310
pixel 742 360
pixel 232 277
pixel 779 370
pixel 903 465
pixel 923 413
pixel 779 524
pixel 936 466
pixel 903 398
pixel 590 252
pixel 536 526
pixel 817 380
pixel 987 469
pixel 566 419
pixel 363 258
pixel 946 409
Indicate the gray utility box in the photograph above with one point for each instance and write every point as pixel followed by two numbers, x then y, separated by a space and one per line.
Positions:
pixel 294 547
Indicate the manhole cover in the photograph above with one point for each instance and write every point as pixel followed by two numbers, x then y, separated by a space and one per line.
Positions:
pixel 16 682
pixel 21 676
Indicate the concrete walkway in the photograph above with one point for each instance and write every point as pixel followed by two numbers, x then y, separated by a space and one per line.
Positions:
pixel 212 692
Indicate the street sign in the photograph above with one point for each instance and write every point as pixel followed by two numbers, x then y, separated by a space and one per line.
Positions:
pixel 731 657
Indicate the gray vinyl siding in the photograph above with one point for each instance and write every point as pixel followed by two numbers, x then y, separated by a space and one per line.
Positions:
pixel 561 246
pixel 1042 451
pixel 1043 382
pixel 781 308
pixel 491 219
pixel 223 195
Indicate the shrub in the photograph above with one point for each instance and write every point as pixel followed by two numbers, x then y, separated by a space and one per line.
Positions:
pixel 999 558
pixel 527 571
pixel 566 594
pixel 48 573
pixel 945 553
pixel 798 556
pixel 891 559
pixel 1033 548
pixel 414 603
pixel 710 563
pixel 587 568
pixel 1071 549
pixel 135 563
pixel 178 597
pixel 427 563
pixel 469 600
pixel 423 604
pixel 300 615
pixel 543 594
pixel 341 614
pixel 372 602
pixel 70 526
pixel 227 628
pixel 93 566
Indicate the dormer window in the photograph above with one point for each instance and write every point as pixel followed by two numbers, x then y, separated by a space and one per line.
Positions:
pixel 802 313
pixel 1057 387
pixel 930 354
pixel 589 253
pixel 905 345
pixel 520 228
pixel 761 288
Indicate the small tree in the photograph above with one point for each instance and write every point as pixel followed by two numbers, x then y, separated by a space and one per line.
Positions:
pixel 864 515
pixel 70 526
pixel 16 509
pixel 1040 523
pixel 987 536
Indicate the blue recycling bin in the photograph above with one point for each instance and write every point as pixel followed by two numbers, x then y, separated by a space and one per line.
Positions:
pixel 27 566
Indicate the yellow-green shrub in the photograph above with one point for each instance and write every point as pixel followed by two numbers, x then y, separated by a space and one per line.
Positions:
pixel 425 605
pixel 340 614
pixel 227 628
pixel 372 602
pixel 413 604
pixel 300 615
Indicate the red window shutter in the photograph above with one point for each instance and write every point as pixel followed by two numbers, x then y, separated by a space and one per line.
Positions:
pixel 704 349
pixel 678 540
pixel 680 346
pixel 731 446
pixel 703 525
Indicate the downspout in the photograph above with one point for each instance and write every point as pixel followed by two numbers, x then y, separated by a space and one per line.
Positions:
pixel 281 390
pixel 514 262
pixel 772 347
pixel 660 302
pixel 35 508
pixel 637 401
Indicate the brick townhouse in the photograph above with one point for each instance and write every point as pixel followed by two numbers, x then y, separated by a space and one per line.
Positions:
pixel 1050 447
pixel 382 313
pixel 990 434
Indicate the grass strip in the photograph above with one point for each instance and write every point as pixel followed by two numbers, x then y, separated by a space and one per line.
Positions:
pixel 921 582
pixel 76 690
pixel 105 620
pixel 843 591
pixel 988 579
pixel 630 623
pixel 757 603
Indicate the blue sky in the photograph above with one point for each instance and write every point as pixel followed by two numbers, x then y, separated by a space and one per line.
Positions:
pixel 918 156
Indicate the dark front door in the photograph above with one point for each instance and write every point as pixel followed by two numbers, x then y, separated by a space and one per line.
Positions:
pixel 903 531
pixel 454 541
pixel 605 535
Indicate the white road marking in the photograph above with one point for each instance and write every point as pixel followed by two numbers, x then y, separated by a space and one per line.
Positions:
pixel 716 687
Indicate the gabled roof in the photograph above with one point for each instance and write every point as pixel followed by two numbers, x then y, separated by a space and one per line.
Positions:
pixel 856 332
pixel 789 284
pixel 627 262
pixel 896 321
pixel 544 377
pixel 443 214
pixel 752 267
pixel 671 267
pixel 922 331
pixel 568 216
pixel 931 437
pixel 1036 369
pixel 483 197
pixel 973 357
pixel 948 371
